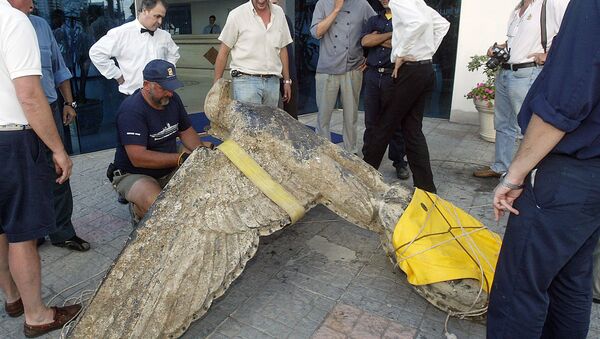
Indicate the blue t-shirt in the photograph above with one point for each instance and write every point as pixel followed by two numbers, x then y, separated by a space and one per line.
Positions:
pixel 140 124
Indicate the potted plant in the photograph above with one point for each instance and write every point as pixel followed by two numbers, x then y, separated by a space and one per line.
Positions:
pixel 483 95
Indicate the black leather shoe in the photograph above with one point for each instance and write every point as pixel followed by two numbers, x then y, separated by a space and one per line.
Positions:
pixel 402 172
pixel 74 244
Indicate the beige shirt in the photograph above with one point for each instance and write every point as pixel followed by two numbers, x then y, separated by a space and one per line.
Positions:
pixel 255 48
pixel 524 33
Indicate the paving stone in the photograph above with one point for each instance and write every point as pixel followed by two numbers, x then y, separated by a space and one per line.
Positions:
pixel 325 332
pixel 342 318
pixel 369 326
pixel 398 331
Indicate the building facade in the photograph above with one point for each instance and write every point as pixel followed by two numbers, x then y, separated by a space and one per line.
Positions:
pixel 77 24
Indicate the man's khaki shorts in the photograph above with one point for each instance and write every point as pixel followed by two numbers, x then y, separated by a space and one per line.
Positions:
pixel 123 183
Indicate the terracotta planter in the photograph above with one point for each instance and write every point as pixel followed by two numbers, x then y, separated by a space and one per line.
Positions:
pixel 486 120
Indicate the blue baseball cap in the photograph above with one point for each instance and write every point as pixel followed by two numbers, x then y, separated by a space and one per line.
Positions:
pixel 163 73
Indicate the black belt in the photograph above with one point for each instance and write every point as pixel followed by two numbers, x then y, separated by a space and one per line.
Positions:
pixel 515 67
pixel 420 62
pixel 382 70
pixel 235 73
pixel 112 171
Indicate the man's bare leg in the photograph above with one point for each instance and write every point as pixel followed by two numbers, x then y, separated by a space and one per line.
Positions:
pixel 24 263
pixel 7 284
pixel 142 194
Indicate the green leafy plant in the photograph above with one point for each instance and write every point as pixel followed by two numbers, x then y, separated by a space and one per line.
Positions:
pixel 484 91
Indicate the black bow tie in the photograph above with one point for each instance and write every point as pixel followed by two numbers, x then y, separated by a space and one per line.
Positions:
pixel 143 30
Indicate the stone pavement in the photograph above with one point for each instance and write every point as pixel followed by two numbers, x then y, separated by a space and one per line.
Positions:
pixel 320 278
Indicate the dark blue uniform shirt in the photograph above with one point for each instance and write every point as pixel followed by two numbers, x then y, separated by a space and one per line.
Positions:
pixel 378 56
pixel 566 94
pixel 140 124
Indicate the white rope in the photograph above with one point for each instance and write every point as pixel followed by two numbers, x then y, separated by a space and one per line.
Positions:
pixel 84 296
pixel 470 243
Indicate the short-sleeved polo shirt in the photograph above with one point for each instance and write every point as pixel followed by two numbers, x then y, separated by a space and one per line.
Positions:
pixel 255 48
pixel 19 57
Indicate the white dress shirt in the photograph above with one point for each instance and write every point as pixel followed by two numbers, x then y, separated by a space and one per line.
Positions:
pixel 19 57
pixel 133 50
pixel 418 29
pixel 255 48
pixel 524 32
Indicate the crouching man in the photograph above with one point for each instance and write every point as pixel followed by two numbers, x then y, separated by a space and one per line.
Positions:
pixel 148 124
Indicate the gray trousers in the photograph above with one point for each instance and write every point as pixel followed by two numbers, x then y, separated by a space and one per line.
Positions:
pixel 327 87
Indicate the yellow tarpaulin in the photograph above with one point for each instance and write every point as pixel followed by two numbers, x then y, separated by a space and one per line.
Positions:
pixel 436 241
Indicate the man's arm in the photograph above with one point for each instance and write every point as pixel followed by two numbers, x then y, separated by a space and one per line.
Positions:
pixel 191 141
pixel 141 157
pixel 539 140
pixel 376 39
pixel 287 88
pixel 172 51
pixel 102 52
pixel 68 114
pixel 221 61
pixel 37 111
pixel 324 25
pixel 440 28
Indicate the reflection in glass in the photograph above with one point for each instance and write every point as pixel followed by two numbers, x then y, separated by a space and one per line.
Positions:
pixel 77 25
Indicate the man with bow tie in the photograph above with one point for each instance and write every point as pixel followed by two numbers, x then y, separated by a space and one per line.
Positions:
pixel 133 45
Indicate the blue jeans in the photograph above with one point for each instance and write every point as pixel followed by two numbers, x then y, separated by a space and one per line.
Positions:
pixel 511 89
pixel 543 282
pixel 256 90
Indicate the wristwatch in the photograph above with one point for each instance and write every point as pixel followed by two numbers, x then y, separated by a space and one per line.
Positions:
pixel 508 184
pixel 72 104
pixel 287 81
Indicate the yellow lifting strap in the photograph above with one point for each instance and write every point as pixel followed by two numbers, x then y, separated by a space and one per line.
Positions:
pixel 436 241
pixel 259 177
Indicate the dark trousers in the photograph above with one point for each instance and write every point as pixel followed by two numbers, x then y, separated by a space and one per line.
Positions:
pixel 63 197
pixel 543 282
pixel 403 106
pixel 375 85
pixel 291 107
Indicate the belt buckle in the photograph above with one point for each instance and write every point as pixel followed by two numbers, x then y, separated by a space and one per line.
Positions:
pixel 514 67
pixel 381 70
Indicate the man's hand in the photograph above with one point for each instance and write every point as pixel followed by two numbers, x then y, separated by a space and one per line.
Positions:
pixel 287 92
pixel 68 115
pixel 62 165
pixel 504 197
pixel 362 67
pixel 538 58
pixel 398 63
pixel 489 52
pixel 387 43
pixel 338 5
pixel 207 144
pixel 120 80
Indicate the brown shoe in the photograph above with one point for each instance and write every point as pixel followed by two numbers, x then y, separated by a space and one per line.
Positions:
pixel 486 172
pixel 14 309
pixel 62 315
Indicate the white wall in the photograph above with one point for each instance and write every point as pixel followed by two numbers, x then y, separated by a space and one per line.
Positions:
pixel 481 23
